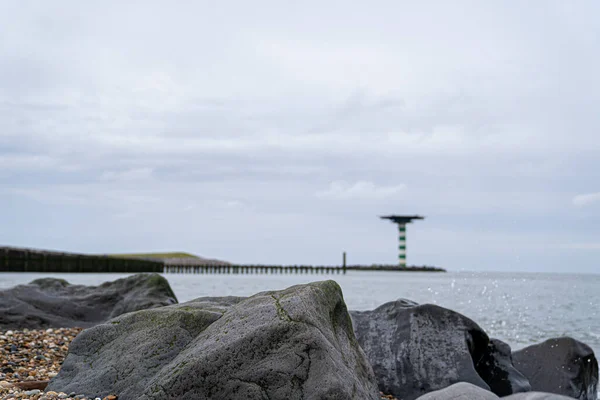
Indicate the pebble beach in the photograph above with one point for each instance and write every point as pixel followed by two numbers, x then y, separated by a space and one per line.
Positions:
pixel 29 358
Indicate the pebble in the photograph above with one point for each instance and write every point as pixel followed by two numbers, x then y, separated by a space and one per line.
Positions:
pixel 32 355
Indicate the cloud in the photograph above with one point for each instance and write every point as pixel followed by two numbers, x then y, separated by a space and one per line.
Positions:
pixel 359 190
pixel 582 246
pixel 583 200
pixel 253 118
pixel 131 175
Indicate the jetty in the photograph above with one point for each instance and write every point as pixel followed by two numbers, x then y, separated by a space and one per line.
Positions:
pixel 14 259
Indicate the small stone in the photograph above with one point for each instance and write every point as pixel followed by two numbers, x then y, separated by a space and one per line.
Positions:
pixel 52 374
pixel 32 392
pixel 52 393
pixel 62 395
pixel 110 397
pixel 50 330
pixel 9 333
pixel 5 385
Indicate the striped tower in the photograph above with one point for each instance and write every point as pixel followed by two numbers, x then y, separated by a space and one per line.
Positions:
pixel 402 245
pixel 401 221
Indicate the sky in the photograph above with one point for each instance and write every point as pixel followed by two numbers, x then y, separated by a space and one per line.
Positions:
pixel 278 132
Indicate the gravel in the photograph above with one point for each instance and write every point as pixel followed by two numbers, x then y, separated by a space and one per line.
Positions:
pixel 29 358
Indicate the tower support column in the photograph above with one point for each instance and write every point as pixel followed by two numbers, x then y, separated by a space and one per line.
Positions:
pixel 402 245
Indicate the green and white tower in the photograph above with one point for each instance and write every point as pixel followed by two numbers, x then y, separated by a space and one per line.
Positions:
pixel 401 221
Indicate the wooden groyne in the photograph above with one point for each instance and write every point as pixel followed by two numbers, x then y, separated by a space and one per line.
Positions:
pixel 290 269
pixel 28 260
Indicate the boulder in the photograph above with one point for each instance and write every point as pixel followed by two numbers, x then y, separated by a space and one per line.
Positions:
pixel 560 365
pixel 416 349
pixel 460 391
pixel 537 396
pixel 54 303
pixel 297 343
pixel 496 368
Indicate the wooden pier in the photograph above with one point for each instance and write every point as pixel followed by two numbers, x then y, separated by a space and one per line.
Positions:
pixel 290 269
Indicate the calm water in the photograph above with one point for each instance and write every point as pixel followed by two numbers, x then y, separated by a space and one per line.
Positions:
pixel 520 309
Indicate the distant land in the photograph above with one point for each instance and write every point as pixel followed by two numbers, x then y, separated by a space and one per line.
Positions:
pixel 173 258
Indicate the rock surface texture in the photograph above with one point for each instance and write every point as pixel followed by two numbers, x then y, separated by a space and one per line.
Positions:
pixel 497 370
pixel 292 344
pixel 562 366
pixel 416 349
pixel 54 303
pixel 460 391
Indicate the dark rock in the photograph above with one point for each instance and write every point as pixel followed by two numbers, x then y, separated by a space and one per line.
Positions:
pixel 32 385
pixel 460 391
pixel 562 366
pixel 52 303
pixel 537 396
pixel 497 370
pixel 416 349
pixel 296 343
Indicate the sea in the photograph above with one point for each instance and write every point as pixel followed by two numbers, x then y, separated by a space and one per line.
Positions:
pixel 518 308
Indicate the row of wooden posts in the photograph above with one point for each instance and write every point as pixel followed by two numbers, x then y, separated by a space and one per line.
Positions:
pixel 25 260
pixel 254 269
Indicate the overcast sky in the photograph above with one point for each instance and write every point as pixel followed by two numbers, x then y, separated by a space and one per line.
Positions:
pixel 278 131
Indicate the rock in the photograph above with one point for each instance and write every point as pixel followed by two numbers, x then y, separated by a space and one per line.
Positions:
pixel 537 396
pixel 416 349
pixel 497 370
pixel 32 392
pixel 460 391
pixel 49 302
pixel 296 343
pixel 6 385
pixel 561 366
pixel 32 385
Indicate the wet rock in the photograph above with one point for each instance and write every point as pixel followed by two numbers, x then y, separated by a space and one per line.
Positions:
pixel 55 303
pixel 497 370
pixel 296 343
pixel 537 396
pixel 560 365
pixel 416 349
pixel 460 391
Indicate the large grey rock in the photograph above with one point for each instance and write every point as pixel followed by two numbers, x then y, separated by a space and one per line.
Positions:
pixel 537 396
pixel 292 344
pixel 460 391
pixel 416 349
pixel 54 303
pixel 562 366
pixel 496 368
